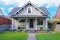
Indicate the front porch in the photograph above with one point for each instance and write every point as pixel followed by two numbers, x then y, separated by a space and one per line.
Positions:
pixel 30 23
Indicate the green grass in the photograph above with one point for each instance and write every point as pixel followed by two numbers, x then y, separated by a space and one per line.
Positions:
pixel 55 36
pixel 13 36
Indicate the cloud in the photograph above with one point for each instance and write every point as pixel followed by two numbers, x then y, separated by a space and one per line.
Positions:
pixel 7 8
pixel 10 9
pixel 39 2
pixel 2 12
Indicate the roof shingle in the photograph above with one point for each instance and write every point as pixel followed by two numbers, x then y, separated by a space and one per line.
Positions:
pixel 14 10
pixel 44 9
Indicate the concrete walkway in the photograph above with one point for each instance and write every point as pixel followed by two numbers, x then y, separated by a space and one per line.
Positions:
pixel 31 36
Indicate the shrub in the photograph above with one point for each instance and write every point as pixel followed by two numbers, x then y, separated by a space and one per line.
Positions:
pixel 52 24
pixel 24 31
pixel 18 26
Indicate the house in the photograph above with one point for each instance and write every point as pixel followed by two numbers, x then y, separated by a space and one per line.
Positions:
pixel 5 23
pixel 29 17
pixel 57 17
pixel 4 19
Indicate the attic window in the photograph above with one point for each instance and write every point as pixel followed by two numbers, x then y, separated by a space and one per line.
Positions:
pixel 29 10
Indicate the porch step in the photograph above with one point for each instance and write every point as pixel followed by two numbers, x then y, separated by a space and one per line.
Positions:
pixel 31 31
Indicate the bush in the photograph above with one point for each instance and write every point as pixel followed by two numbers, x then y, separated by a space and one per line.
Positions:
pixel 24 31
pixel 18 26
pixel 51 25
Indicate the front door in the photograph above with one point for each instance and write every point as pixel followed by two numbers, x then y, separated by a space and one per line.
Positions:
pixel 31 23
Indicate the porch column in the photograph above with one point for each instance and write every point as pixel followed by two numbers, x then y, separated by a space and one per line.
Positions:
pixel 36 23
pixel 26 23
pixel 45 23
pixel 16 23
pixel 12 23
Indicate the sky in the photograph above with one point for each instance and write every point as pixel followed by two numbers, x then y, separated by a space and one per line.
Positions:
pixel 51 5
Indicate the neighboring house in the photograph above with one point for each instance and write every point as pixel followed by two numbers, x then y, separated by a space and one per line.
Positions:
pixel 1 13
pixel 3 19
pixel 57 16
pixel 30 17
pixel 5 23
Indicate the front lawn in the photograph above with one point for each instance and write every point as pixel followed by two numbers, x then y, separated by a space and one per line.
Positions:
pixel 55 36
pixel 13 36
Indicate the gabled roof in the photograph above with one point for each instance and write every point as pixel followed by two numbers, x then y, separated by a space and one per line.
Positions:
pixel 14 10
pixel 45 10
pixel 58 13
pixel 41 9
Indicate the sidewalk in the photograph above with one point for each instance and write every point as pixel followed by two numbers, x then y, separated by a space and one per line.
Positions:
pixel 31 36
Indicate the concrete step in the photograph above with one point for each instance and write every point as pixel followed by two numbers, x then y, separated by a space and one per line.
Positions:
pixel 31 31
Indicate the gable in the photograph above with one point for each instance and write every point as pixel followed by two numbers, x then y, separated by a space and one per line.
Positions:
pixel 24 11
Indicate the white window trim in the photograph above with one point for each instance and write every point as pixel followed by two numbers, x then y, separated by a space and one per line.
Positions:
pixel 30 8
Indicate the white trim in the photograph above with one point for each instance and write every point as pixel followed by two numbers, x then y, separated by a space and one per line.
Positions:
pixel 46 23
pixel 36 22
pixel 30 8
pixel 12 23
pixel 27 24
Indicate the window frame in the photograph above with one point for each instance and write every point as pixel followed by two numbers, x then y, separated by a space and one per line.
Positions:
pixel 28 9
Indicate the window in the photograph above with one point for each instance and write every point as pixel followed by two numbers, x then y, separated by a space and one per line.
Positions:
pixel 22 20
pixel 58 22
pixel 29 10
pixel 39 22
